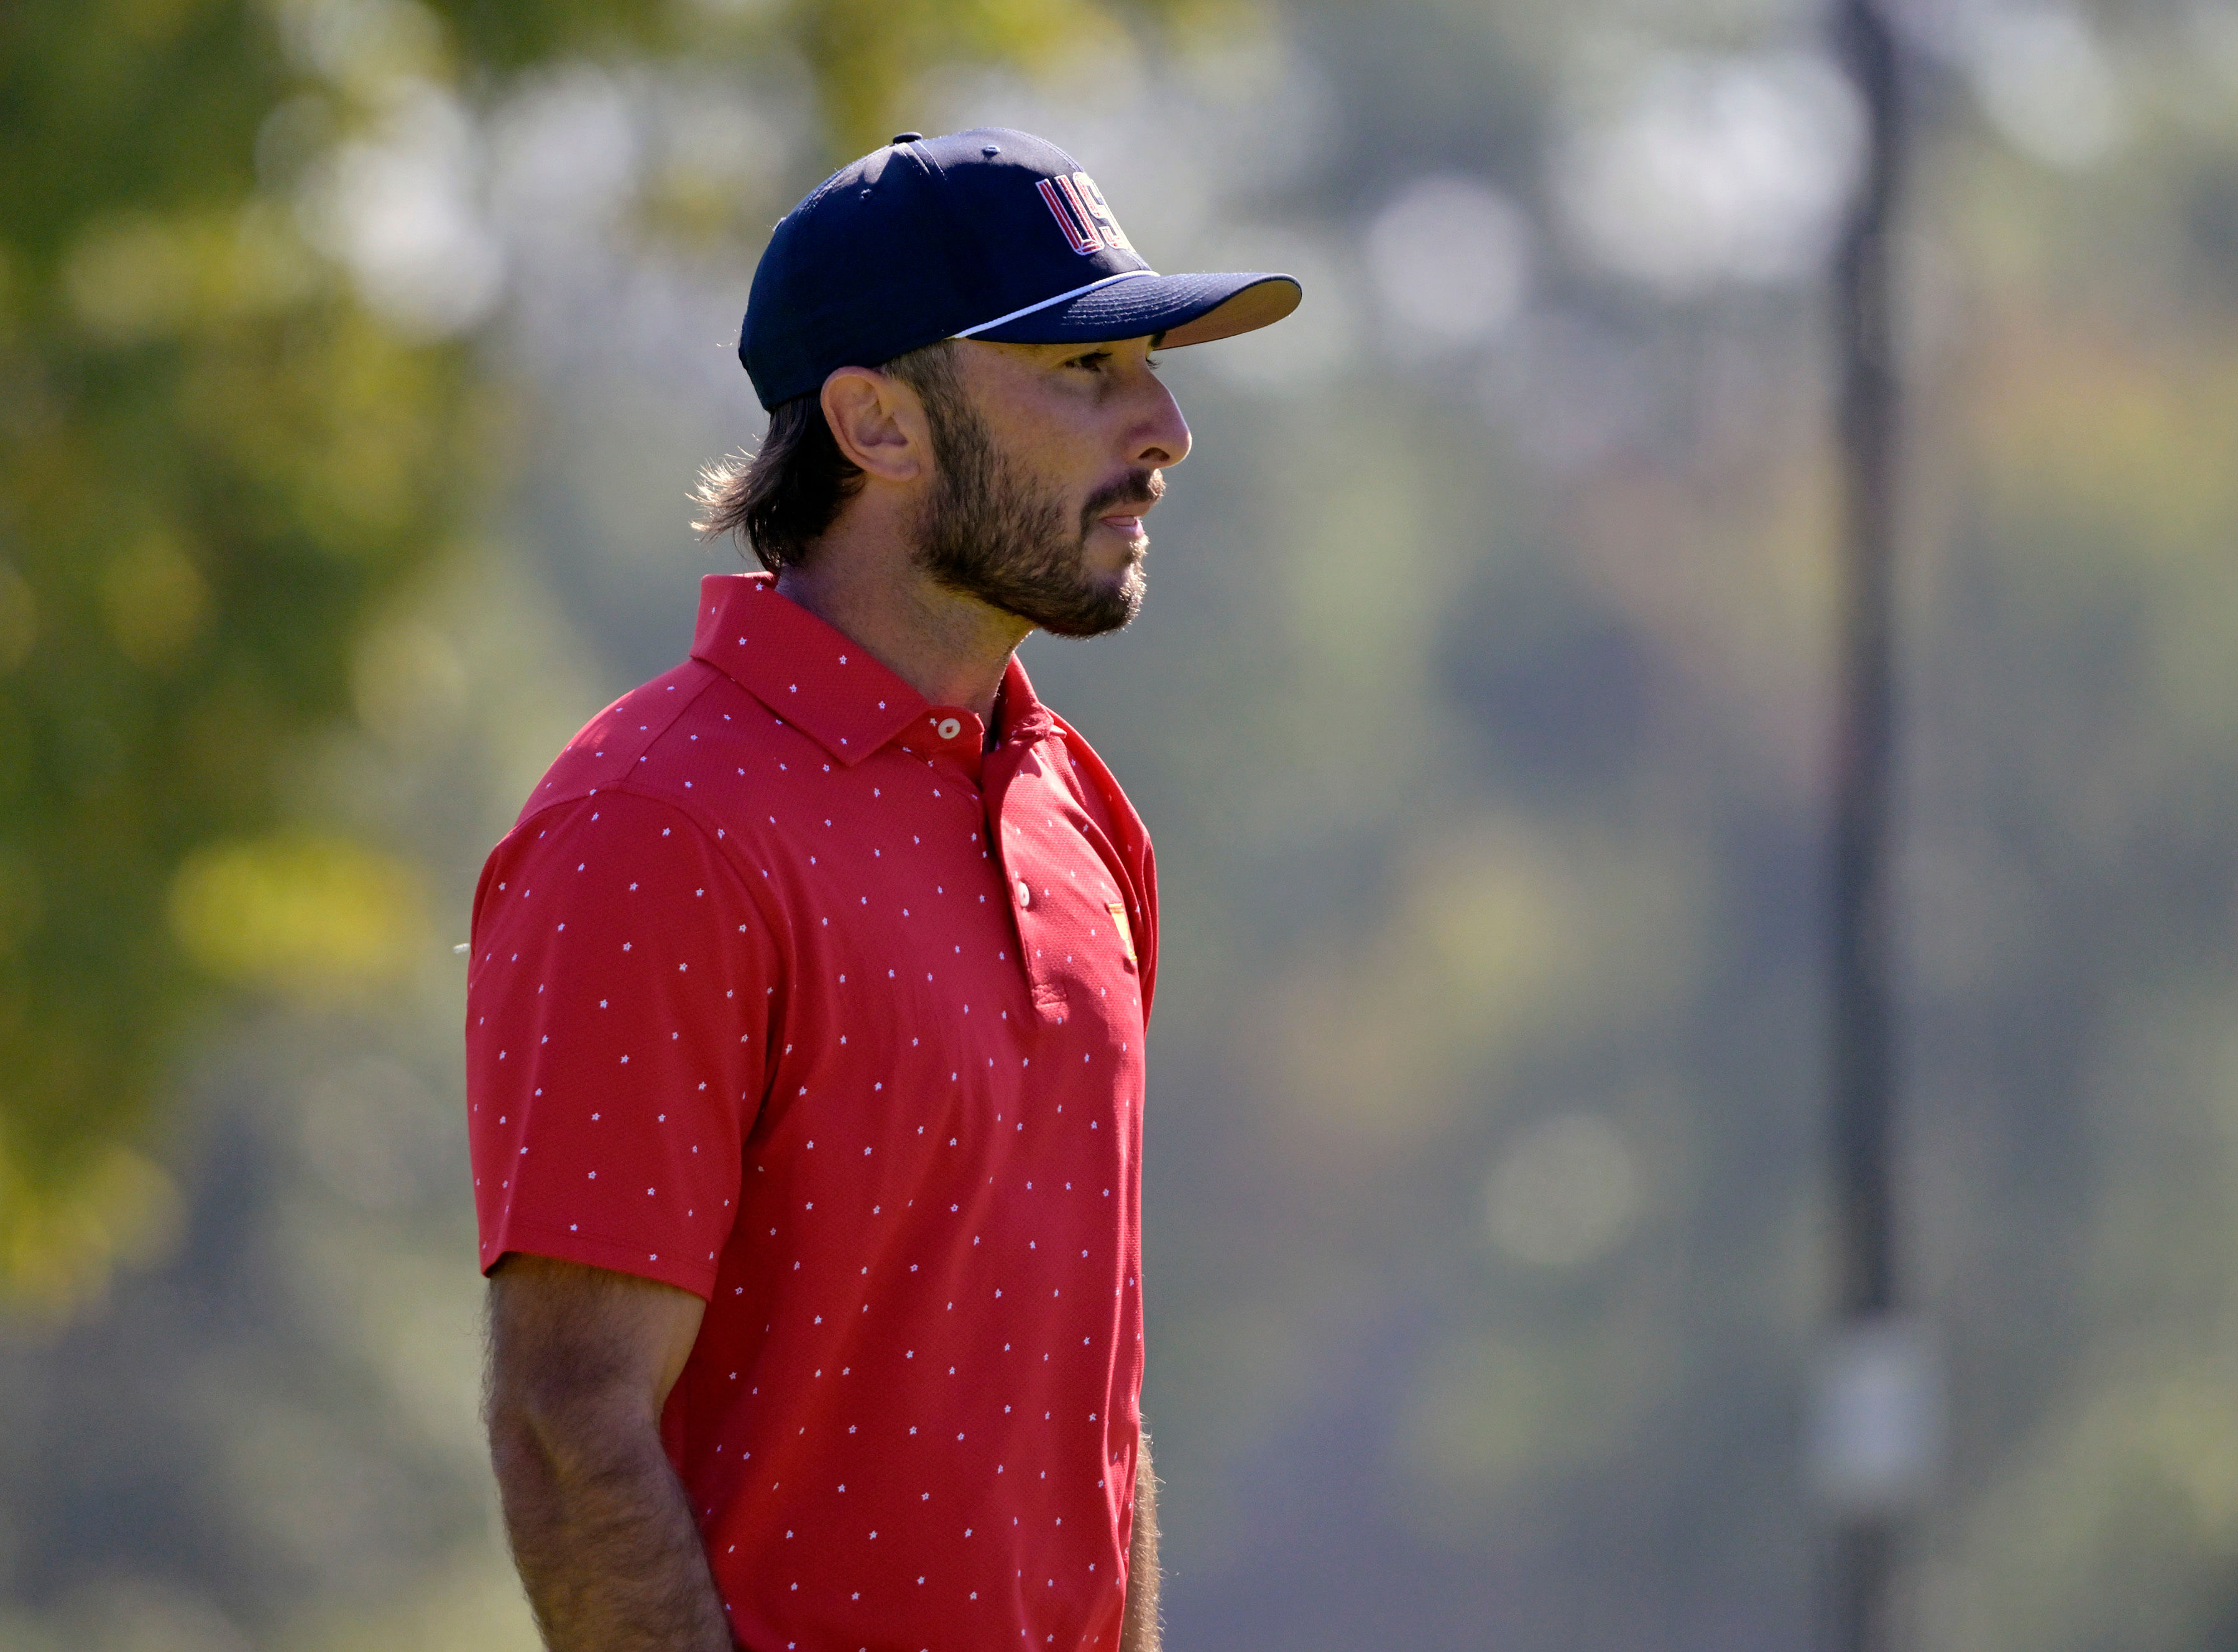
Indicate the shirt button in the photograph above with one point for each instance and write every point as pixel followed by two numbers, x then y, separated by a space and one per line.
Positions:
pixel 1025 893
pixel 947 728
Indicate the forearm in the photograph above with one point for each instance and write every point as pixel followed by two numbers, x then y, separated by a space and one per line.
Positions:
pixel 1139 1632
pixel 605 1541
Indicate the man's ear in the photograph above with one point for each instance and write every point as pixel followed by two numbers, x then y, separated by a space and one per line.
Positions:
pixel 878 423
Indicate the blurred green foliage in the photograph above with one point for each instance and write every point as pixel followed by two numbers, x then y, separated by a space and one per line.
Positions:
pixel 216 464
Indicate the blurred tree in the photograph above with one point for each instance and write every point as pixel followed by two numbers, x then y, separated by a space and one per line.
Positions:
pixel 216 462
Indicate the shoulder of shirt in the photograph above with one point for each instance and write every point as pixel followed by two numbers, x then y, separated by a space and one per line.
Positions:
pixel 634 751
pixel 630 750
pixel 611 746
pixel 634 742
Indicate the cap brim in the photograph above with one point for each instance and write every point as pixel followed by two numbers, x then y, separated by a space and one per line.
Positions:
pixel 1185 309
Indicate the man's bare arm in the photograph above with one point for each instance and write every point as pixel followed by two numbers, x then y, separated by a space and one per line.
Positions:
pixel 1139 1632
pixel 581 1361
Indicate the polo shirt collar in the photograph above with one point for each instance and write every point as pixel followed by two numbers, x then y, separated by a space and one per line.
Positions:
pixel 822 681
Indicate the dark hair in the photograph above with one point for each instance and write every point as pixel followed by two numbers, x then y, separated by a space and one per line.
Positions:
pixel 782 498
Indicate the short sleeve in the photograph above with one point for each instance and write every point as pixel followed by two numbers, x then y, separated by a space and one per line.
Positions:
pixel 617 1012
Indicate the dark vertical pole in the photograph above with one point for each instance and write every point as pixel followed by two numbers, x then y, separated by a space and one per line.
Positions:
pixel 1864 278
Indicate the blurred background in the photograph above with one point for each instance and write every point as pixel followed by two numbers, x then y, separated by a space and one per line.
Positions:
pixel 356 359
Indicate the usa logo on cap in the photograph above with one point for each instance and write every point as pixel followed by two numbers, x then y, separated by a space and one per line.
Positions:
pixel 1083 214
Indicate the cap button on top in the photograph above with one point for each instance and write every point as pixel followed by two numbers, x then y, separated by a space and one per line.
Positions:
pixel 908 137
pixel 947 728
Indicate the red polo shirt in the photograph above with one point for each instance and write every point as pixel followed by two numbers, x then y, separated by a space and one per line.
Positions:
pixel 784 993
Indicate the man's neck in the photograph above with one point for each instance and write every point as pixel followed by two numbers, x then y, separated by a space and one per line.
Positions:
pixel 950 647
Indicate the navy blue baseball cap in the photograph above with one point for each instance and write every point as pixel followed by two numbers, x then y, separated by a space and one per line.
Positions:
pixel 989 234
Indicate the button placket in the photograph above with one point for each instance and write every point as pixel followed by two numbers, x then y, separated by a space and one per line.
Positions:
pixel 1012 854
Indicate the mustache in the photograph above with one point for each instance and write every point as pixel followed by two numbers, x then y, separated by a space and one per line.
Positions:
pixel 1134 493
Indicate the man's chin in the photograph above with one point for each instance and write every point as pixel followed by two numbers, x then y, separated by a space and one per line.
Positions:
pixel 1109 554
pixel 1097 609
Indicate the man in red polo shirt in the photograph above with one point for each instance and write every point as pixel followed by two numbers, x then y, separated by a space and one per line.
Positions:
pixel 805 1030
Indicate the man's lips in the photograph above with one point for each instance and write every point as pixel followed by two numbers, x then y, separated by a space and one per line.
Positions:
pixel 1121 508
pixel 1125 515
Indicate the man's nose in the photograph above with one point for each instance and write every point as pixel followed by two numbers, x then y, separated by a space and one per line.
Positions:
pixel 1161 438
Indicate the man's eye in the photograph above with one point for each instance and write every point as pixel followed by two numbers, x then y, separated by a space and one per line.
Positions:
pixel 1093 361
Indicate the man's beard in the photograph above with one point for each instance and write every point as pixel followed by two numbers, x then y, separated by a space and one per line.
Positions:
pixel 990 533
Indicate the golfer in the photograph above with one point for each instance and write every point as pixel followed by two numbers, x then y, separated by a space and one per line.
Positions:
pixel 805 1019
